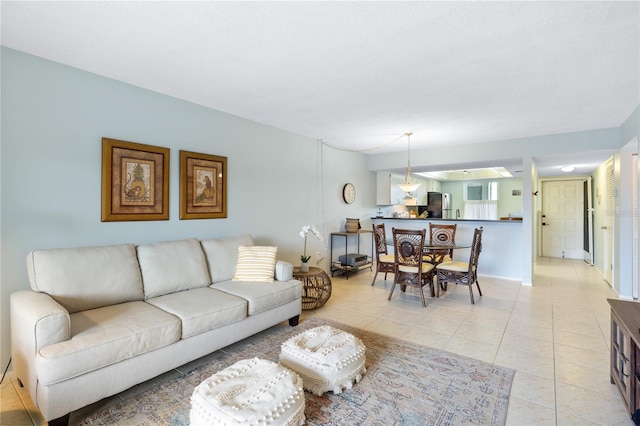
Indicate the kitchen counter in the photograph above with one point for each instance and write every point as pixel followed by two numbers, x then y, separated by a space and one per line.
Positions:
pixel 432 219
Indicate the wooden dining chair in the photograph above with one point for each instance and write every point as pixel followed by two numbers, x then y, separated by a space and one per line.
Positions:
pixel 410 270
pixel 462 272
pixel 385 262
pixel 444 234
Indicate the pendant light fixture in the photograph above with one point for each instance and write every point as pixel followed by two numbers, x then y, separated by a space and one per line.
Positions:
pixel 407 186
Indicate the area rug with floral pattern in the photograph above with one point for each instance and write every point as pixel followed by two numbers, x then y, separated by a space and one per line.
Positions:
pixel 405 384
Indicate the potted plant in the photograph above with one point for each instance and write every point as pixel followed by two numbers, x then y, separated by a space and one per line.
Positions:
pixel 304 259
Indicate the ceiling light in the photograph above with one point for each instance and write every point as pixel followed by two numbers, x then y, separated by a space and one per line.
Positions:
pixel 567 169
pixel 407 186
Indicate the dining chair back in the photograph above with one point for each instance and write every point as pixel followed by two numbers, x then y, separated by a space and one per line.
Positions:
pixel 444 234
pixel 410 270
pixel 465 273
pixel 385 262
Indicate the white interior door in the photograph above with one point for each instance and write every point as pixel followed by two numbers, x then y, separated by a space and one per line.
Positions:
pixel 562 219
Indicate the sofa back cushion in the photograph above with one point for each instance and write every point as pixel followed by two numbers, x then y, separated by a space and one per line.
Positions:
pixel 222 256
pixel 86 277
pixel 172 266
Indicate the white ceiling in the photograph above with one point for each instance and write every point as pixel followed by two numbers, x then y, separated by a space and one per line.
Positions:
pixel 359 75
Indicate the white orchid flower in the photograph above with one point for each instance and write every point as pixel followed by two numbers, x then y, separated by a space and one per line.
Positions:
pixel 316 233
pixel 303 234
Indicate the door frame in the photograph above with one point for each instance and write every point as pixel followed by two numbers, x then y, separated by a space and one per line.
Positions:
pixel 588 215
pixel 555 179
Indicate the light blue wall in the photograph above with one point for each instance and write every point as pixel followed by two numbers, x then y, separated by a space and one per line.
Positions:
pixel 53 119
pixel 507 202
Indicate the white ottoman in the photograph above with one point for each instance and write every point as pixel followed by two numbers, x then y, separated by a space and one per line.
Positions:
pixel 327 359
pixel 249 392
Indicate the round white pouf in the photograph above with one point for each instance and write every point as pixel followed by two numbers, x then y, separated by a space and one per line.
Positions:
pixel 249 392
pixel 327 359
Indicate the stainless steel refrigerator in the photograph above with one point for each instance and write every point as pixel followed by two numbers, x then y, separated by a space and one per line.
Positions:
pixel 439 205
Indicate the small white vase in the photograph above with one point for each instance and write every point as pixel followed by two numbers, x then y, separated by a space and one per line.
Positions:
pixel 304 267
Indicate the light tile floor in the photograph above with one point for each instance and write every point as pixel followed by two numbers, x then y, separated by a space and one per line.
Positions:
pixel 555 334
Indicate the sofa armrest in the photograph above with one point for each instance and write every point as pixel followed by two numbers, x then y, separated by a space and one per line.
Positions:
pixel 284 271
pixel 36 321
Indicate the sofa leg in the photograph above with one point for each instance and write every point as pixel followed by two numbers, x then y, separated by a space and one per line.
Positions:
pixel 294 321
pixel 60 421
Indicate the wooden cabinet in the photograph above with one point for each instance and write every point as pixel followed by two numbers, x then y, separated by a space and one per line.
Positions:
pixel 625 351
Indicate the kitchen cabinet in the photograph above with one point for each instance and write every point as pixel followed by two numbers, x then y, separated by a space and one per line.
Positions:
pixel 433 186
pixel 388 193
pixel 625 351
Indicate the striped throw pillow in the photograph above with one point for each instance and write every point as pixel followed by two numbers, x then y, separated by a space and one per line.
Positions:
pixel 256 264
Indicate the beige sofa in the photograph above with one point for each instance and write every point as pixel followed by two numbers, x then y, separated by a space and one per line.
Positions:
pixel 99 320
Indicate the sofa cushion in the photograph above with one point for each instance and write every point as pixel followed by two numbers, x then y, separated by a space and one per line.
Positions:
pixel 172 266
pixel 202 309
pixel 262 296
pixel 86 277
pixel 104 336
pixel 222 256
pixel 256 263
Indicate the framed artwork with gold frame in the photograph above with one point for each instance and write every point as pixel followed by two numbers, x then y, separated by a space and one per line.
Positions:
pixel 203 186
pixel 135 181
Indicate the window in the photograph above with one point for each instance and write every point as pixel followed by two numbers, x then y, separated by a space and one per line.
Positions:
pixel 481 190
pixel 481 200
pixel 493 191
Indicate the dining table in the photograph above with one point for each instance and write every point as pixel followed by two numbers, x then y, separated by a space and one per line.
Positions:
pixel 436 251
pixel 438 247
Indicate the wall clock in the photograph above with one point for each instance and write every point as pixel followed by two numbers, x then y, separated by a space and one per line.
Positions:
pixel 349 193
